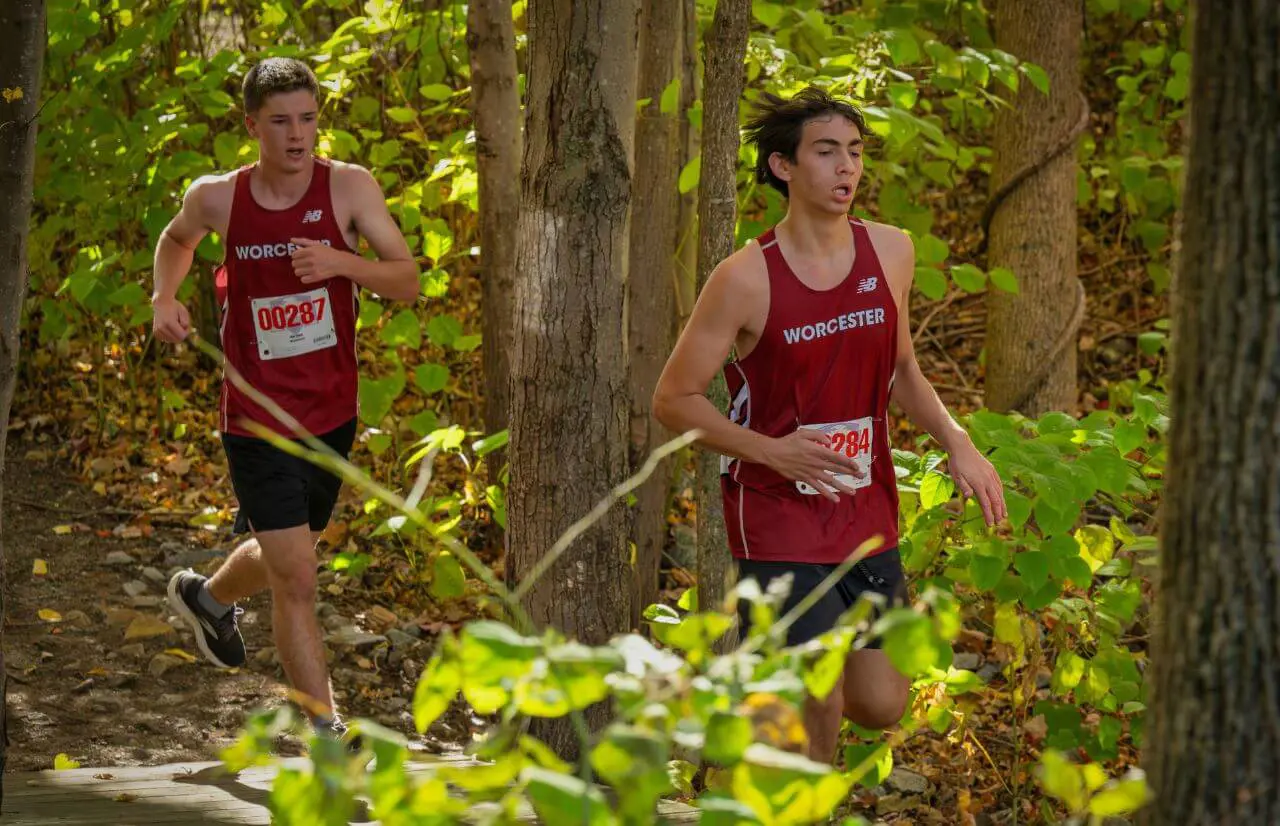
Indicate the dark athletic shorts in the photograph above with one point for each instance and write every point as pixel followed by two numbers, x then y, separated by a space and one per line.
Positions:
pixel 278 491
pixel 881 574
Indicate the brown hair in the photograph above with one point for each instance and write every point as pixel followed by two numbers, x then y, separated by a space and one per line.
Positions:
pixel 777 124
pixel 274 76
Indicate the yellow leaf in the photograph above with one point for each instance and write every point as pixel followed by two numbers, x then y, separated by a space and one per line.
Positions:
pixel 97 671
pixel 100 488
pixel 49 615
pixel 180 654
pixel 39 568
pixel 10 95
pixel 62 762
pixel 62 530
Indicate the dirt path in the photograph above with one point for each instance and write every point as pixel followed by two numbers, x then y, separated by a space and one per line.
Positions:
pixel 94 680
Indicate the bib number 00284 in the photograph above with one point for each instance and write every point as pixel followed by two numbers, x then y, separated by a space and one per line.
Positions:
pixel 291 325
pixel 852 439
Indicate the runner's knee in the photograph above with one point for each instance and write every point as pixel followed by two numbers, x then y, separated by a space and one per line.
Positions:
pixel 880 707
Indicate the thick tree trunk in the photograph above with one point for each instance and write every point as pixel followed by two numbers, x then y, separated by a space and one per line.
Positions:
pixel 1213 748
pixel 495 102
pixel 651 276
pixel 569 405
pixel 725 52
pixel 1031 337
pixel 22 38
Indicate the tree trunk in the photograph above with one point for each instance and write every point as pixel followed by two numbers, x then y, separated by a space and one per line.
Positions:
pixel 1031 336
pixel 652 276
pixel 495 102
pixel 1213 749
pixel 725 75
pixel 569 405
pixel 691 140
pixel 22 39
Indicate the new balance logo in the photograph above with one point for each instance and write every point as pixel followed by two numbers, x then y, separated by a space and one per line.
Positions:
pixel 313 216
pixel 867 285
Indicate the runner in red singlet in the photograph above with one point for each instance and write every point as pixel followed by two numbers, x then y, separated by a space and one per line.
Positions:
pixel 289 292
pixel 816 312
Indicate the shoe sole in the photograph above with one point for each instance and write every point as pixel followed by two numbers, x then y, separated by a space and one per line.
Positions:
pixel 179 605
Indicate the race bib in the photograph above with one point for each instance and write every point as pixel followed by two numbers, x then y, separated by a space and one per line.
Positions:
pixel 291 325
pixel 851 439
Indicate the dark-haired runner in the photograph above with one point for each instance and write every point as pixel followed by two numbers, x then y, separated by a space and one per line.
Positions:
pixel 289 293
pixel 816 312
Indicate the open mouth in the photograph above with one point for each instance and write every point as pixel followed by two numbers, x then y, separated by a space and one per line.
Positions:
pixel 296 153
pixel 843 191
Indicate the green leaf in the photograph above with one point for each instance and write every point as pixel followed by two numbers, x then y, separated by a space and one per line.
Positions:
pixel 62 762
pixel 431 378
pixel 467 343
pixel 1034 568
pixel 438 685
pixel 402 330
pixel 930 249
pixel 424 422
pixel 969 278
pixel 820 677
pixel 1037 76
pixel 1062 779
pixel 1125 796
pixel 378 395
pixel 402 114
pixel 690 174
pixel 436 91
pixel 1067 673
pixel 443 330
pixel 788 788
pixel 129 295
pixel 447 579
pixel 727 739
pixel 911 643
pixel 987 571
pixel 492 442
pixel 878 771
pixel 670 100
pixel 902 46
pixel 562 798
pixel 370 312
pixel 1003 278
pixel 935 489
pixel 1019 508
pixel 931 282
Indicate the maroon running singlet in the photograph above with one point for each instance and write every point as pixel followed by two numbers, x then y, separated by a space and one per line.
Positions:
pixel 292 341
pixel 825 360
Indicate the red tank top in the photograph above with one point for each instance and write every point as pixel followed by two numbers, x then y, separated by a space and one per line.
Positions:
pixel 294 342
pixel 825 360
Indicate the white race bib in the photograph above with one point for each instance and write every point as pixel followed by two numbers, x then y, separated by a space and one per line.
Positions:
pixel 852 439
pixel 291 325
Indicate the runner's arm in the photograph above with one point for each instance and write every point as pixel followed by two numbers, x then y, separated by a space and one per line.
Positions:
pixel 680 401
pixel 913 392
pixel 174 253
pixel 395 274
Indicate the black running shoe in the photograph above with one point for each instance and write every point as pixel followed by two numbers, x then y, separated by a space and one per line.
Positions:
pixel 218 637
pixel 335 728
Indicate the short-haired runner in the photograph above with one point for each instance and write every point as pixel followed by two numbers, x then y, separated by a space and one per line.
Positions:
pixel 289 293
pixel 815 311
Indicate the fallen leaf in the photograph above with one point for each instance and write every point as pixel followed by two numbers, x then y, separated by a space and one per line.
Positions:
pixel 180 654
pixel 144 627
pixel 97 671
pixel 104 776
pixel 39 568
pixel 100 488
pixel 62 530
pixel 125 797
pixel 63 762
pixel 49 615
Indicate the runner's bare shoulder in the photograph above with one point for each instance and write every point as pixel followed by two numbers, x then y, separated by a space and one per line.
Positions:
pixel 208 201
pixel 896 252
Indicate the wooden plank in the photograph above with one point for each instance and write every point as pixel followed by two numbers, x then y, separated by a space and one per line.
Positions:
pixel 186 793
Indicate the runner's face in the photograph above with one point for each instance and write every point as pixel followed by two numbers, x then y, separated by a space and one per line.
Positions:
pixel 827 167
pixel 285 126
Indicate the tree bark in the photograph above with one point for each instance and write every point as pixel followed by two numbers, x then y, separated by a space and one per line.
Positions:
pixel 1031 336
pixel 691 139
pixel 495 102
pixel 1213 748
pixel 652 277
pixel 570 404
pixel 22 39
pixel 725 75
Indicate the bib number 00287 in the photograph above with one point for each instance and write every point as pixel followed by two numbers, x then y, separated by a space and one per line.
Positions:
pixel 291 325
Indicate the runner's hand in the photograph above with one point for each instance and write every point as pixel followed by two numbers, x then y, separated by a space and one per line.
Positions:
pixel 806 456
pixel 170 320
pixel 977 478
pixel 314 261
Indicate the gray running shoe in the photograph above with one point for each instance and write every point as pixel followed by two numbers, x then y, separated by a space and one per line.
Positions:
pixel 217 637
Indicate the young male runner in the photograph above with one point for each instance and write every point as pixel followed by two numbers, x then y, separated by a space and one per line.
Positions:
pixel 289 291
pixel 816 313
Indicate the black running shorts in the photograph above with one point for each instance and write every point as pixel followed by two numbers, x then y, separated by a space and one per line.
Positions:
pixel 278 491
pixel 881 574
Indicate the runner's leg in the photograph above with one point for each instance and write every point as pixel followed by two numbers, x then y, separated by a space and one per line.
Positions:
pixel 244 574
pixel 874 694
